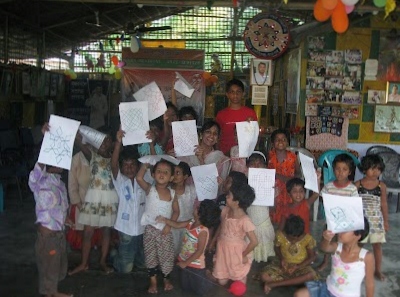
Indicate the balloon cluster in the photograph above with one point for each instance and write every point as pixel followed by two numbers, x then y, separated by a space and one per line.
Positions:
pixel 209 79
pixel 70 75
pixel 337 10
pixel 116 66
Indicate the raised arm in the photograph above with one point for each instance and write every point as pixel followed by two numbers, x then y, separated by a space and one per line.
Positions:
pixel 115 156
pixel 84 148
pixel 140 178
pixel 326 245
pixel 73 184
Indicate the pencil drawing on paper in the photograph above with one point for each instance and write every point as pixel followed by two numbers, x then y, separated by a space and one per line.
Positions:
pixel 59 145
pixel 263 184
pixel 154 97
pixel 208 184
pixel 183 138
pixel 341 221
pixel 132 119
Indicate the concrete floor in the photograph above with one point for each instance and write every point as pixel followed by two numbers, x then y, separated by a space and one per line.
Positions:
pixel 18 277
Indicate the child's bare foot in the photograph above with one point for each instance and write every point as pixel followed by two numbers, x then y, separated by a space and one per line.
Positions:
pixel 153 285
pixel 267 289
pixel 167 285
pixel 379 276
pixel 106 268
pixel 77 269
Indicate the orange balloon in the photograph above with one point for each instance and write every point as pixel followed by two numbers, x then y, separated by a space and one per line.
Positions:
pixel 114 60
pixel 340 20
pixel 208 83
pixel 206 75
pixel 330 4
pixel 213 78
pixel 320 13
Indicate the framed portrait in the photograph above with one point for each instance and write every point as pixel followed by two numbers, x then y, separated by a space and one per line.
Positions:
pixel 387 118
pixel 376 97
pixel 393 92
pixel 261 72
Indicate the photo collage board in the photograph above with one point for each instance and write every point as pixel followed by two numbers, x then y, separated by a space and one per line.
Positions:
pixel 333 83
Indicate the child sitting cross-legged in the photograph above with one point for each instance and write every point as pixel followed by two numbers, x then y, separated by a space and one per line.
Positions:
pixel 295 251
pixel 191 257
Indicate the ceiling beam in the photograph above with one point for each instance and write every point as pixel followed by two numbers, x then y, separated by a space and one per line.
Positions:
pixel 291 5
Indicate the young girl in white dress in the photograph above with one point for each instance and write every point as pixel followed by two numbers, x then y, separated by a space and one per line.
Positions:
pixel 157 238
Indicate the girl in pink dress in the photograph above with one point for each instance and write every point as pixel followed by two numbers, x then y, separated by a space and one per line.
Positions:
pixel 235 237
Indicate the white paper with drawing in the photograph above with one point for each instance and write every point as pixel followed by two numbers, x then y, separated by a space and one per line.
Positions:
pixel 153 159
pixel 205 181
pixel 182 86
pixel 91 136
pixel 247 134
pixel 185 137
pixel 58 142
pixel 343 213
pixel 263 182
pixel 310 176
pixel 151 93
pixel 134 122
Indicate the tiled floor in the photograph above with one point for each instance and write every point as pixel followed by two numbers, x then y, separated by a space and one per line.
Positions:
pixel 18 277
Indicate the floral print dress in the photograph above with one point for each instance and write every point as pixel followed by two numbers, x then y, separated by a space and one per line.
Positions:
pixel 101 200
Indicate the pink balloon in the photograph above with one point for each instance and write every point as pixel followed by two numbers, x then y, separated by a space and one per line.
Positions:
pixel 349 8
pixel 121 64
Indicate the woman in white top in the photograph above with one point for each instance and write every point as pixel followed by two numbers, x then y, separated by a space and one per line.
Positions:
pixel 350 264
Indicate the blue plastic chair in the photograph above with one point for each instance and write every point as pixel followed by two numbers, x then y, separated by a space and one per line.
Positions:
pixel 325 161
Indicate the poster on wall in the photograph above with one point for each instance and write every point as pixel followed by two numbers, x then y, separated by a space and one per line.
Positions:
pixel 388 61
pixel 142 68
pixel 293 81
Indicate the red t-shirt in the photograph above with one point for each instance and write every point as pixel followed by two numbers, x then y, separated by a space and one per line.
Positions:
pixel 227 119
pixel 303 211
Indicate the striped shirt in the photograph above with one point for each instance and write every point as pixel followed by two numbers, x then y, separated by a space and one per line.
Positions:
pixel 348 190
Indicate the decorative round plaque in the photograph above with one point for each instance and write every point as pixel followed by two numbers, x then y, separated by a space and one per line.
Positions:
pixel 266 36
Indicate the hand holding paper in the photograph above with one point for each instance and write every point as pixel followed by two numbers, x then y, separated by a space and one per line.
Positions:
pixel 310 176
pixel 182 86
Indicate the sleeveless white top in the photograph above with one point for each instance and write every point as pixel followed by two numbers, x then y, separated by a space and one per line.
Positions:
pixel 345 278
pixel 156 207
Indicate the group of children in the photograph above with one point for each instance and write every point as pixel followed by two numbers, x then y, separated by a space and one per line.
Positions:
pixel 159 220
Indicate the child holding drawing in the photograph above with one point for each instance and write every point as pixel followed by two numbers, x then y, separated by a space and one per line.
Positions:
pixel 259 215
pixel 51 216
pixel 157 239
pixel 343 167
pixel 300 206
pixel 101 201
pixel 350 264
pixel 373 193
